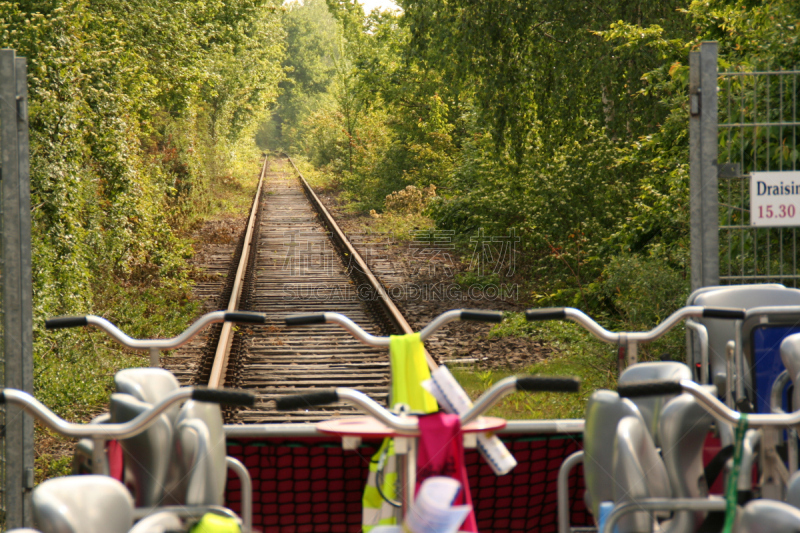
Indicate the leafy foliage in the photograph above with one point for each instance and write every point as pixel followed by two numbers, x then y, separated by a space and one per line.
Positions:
pixel 136 109
pixel 565 123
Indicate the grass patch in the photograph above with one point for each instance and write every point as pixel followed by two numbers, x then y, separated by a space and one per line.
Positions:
pixel 579 355
pixel 230 193
pixel 401 227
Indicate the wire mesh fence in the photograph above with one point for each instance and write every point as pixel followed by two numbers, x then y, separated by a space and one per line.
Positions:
pixel 758 125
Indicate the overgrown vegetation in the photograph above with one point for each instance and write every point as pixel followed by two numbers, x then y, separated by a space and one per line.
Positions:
pixel 139 112
pixel 565 124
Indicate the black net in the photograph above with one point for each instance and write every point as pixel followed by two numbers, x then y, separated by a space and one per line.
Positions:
pixel 312 485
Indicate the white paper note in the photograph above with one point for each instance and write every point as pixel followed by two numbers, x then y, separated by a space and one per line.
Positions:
pixel 444 387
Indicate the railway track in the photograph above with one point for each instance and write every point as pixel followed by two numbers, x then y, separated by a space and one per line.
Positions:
pixel 292 259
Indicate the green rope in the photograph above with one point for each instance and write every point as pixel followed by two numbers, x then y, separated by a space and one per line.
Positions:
pixel 732 490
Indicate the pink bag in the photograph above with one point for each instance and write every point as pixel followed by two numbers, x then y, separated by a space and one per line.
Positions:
pixel 441 453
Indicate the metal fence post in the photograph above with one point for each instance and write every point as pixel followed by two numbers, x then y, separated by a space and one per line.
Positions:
pixel 16 285
pixel 703 154
pixel 26 280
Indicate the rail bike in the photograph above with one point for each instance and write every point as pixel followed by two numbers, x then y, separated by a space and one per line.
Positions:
pixel 646 452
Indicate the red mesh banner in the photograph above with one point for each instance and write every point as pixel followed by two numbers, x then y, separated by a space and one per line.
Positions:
pixel 311 485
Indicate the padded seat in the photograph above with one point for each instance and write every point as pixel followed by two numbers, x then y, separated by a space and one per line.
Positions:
pixel 650 406
pixel 82 504
pixel 202 453
pixel 604 410
pixel 768 516
pixel 639 472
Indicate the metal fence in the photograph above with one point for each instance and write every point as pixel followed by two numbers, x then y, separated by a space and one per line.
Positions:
pixel 16 335
pixel 747 122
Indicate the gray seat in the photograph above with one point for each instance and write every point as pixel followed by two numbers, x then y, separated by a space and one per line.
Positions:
pixel 82 504
pixel 639 472
pixel 768 516
pixel 604 410
pixel 793 490
pixel 148 456
pixel 683 428
pixel 201 454
pixel 148 385
pixel 721 331
pixel 93 503
pixel 650 406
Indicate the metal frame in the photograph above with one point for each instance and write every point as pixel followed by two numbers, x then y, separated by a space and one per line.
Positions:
pixel 17 292
pixel 703 201
pixel 733 127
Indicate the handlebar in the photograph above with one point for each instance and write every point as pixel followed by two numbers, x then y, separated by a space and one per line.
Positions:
pixel 372 340
pixel 241 317
pixel 403 424
pixel 631 340
pixel 560 313
pixel 33 407
pixel 708 401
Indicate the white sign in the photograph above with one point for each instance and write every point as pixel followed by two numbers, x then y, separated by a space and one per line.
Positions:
pixel 775 199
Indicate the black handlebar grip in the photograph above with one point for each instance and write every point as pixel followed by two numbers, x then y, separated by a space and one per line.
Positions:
pixel 545 313
pixel 224 397
pixel 733 314
pixel 649 388
pixel 548 384
pixel 2 396
pixel 243 317
pixel 298 401
pixel 477 315
pixel 304 320
pixel 60 322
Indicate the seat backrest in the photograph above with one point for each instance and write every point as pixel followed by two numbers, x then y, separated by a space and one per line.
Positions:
pixel 650 406
pixel 720 331
pixel 148 456
pixel 695 293
pixel 638 472
pixel 149 385
pixel 604 410
pixel 202 449
pixel 683 429
pixel 768 516
pixel 82 504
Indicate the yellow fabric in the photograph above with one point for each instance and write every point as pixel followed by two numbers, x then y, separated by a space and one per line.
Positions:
pixel 409 370
pixel 376 512
pixel 214 523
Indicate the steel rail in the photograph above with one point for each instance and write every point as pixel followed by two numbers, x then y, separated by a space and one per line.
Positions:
pixel 343 243
pixel 220 365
